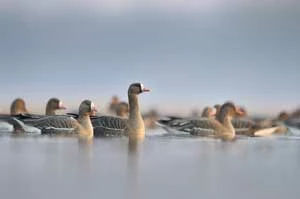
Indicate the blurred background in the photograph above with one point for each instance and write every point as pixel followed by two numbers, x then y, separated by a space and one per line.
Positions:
pixel 190 53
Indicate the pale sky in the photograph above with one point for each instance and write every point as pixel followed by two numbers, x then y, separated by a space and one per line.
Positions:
pixel 191 53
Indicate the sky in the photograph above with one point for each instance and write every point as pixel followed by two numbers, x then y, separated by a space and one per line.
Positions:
pixel 190 53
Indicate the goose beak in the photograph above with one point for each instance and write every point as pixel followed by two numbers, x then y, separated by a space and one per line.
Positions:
pixel 62 107
pixel 240 112
pixel 146 90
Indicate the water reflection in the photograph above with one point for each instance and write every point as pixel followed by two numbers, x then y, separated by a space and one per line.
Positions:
pixel 133 168
pixel 85 154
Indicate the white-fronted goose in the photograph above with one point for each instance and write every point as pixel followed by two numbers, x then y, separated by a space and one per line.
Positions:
pixel 133 126
pixel 221 127
pixel 245 126
pixel 67 124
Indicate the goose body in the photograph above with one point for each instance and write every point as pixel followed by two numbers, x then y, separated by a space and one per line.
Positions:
pixel 110 126
pixel 54 124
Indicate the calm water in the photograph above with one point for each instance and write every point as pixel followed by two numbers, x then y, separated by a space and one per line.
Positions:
pixel 161 167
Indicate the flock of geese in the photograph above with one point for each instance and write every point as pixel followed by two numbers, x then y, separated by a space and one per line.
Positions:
pixel 223 122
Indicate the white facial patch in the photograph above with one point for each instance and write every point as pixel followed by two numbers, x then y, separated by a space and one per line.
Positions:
pixel 92 106
pixel 142 87
pixel 60 104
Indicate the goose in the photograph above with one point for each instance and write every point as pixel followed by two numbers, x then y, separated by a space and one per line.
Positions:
pixel 245 126
pixel 63 125
pixel 220 127
pixel 133 127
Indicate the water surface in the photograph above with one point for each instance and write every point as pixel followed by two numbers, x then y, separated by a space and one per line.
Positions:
pixel 162 166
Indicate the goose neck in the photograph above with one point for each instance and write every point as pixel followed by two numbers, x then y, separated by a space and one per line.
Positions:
pixel 50 111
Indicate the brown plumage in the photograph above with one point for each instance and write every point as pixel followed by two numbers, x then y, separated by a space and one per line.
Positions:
pixel 18 106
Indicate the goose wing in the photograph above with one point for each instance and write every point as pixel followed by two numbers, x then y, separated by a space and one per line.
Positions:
pixel 109 126
pixel 200 127
pixel 54 124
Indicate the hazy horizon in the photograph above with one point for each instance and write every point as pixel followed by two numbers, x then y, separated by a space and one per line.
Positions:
pixel 190 54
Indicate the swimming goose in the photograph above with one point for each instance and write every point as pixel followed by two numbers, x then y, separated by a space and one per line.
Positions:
pixel 221 127
pixel 133 126
pixel 52 105
pixel 67 124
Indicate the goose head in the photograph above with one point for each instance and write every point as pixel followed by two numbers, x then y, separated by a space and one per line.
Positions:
pixel 122 109
pixel 137 88
pixel 208 112
pixel 242 112
pixel 18 106
pixel 87 108
pixel 113 104
pixel 229 110
pixel 283 116
pixel 53 105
